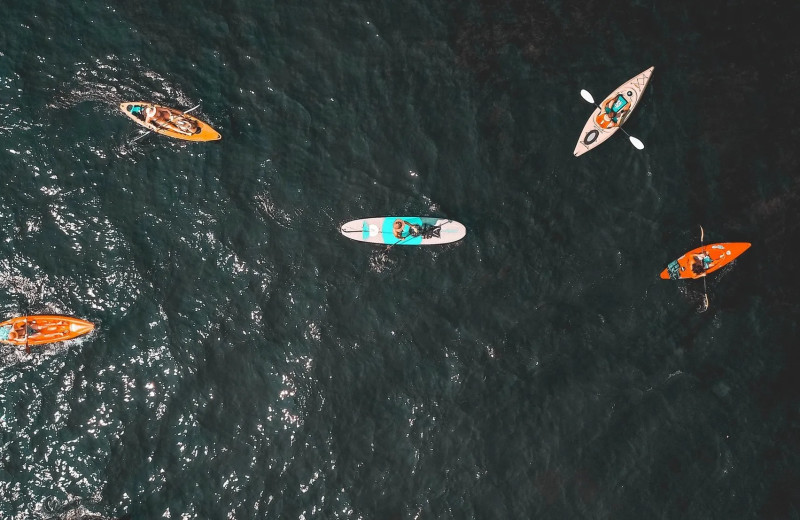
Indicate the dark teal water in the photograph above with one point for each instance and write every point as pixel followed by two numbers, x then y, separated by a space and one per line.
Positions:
pixel 250 362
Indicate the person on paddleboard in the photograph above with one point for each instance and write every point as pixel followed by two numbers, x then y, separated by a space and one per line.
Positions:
pixel 403 229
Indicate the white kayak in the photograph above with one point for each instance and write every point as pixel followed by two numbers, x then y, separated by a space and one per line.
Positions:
pixel 404 231
pixel 613 112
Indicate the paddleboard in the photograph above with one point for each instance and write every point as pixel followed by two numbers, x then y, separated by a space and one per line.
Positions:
pixel 42 329
pixel 721 254
pixel 621 101
pixel 381 230
pixel 170 122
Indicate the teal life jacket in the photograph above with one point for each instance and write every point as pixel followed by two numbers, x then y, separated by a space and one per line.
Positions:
pixel 618 105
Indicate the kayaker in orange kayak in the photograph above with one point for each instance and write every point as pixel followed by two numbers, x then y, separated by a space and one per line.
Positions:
pixel 21 330
pixel 152 113
pixel 701 263
pixel 165 119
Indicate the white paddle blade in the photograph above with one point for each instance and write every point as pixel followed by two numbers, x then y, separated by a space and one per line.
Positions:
pixel 637 143
pixel 588 97
pixel 702 233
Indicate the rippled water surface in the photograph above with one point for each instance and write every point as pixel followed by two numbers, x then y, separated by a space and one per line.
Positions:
pixel 250 362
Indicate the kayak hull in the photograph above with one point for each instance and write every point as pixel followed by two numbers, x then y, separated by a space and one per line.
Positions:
pixel 721 255
pixel 202 131
pixel 380 230
pixel 42 329
pixel 598 128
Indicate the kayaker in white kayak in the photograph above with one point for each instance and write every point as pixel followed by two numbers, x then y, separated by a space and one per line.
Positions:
pixel 615 109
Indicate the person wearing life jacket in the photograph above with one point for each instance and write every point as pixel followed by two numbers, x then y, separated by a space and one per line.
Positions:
pixel 700 263
pixel 403 229
pixel 613 111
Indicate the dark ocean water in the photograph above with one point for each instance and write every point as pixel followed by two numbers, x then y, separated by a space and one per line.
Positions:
pixel 250 362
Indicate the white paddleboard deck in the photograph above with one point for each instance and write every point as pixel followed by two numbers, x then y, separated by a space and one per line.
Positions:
pixel 383 230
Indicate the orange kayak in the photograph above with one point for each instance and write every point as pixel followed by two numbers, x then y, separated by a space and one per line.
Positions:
pixel 42 329
pixel 718 255
pixel 170 122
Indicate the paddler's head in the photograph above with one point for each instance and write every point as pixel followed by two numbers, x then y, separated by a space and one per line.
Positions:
pixel 150 111
pixel 398 225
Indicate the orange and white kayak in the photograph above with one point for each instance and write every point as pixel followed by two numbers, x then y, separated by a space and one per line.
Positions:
pixel 170 122
pixel 711 257
pixel 613 112
pixel 41 329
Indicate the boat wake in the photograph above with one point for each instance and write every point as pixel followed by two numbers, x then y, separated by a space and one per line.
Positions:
pixel 71 509
pixel 379 261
